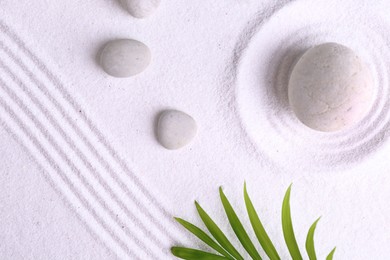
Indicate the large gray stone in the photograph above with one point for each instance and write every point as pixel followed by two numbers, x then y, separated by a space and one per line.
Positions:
pixel 330 88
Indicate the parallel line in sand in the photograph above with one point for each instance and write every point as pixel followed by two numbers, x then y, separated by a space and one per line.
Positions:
pixel 57 188
pixel 100 138
pixel 84 202
pixel 70 163
pixel 69 141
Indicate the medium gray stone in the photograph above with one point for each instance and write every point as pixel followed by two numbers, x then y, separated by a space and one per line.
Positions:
pixel 125 58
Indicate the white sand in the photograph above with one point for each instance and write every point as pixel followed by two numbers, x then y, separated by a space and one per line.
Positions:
pixel 225 63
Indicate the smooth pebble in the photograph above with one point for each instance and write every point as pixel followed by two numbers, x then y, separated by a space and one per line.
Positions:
pixel 125 58
pixel 330 88
pixel 141 8
pixel 175 129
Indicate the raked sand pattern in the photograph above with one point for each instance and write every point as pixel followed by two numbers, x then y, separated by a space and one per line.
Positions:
pixel 107 196
pixel 119 210
pixel 266 54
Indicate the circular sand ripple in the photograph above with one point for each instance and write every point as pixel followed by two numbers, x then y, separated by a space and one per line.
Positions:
pixel 265 57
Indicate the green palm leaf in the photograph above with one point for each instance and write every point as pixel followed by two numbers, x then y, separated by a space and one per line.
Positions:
pixel 288 230
pixel 217 233
pixel 223 246
pixel 330 256
pixel 203 236
pixel 193 254
pixel 260 232
pixel 238 227
pixel 310 249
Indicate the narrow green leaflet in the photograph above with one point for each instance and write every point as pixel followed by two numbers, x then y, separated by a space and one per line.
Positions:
pixel 310 249
pixel 330 256
pixel 238 227
pixel 260 232
pixel 193 254
pixel 203 236
pixel 288 230
pixel 217 233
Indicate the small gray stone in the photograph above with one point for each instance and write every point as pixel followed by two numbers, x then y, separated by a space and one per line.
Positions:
pixel 175 129
pixel 125 58
pixel 141 8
